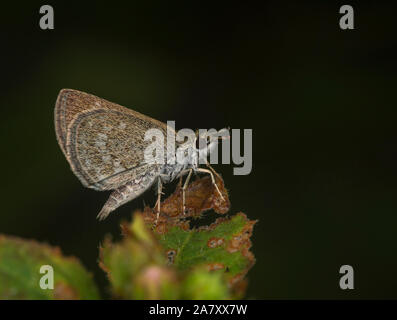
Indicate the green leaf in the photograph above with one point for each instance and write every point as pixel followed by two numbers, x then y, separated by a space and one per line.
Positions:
pixel 136 266
pixel 161 257
pixel 199 284
pixel 224 246
pixel 20 263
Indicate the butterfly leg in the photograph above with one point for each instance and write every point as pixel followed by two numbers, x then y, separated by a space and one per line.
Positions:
pixel 158 202
pixel 213 180
pixel 184 188
pixel 212 169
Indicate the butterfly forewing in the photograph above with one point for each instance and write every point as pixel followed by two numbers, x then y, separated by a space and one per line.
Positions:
pixel 103 142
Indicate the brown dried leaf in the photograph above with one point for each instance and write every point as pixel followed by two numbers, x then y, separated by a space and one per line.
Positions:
pixel 200 196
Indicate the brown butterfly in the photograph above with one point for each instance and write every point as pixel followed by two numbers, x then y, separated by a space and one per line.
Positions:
pixel 104 144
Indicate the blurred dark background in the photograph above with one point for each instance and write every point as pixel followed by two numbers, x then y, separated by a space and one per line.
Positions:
pixel 321 103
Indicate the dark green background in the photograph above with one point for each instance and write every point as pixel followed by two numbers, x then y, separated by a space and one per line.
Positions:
pixel 321 103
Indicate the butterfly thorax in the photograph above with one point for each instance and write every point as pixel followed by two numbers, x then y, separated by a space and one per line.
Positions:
pixel 178 164
pixel 187 157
